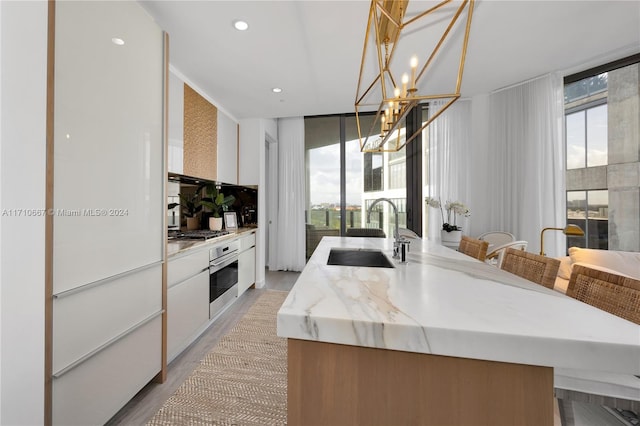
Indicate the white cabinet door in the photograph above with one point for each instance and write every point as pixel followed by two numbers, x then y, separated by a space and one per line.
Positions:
pixel 246 269
pixel 227 149
pixel 175 160
pixel 108 161
pixel 183 267
pixel 187 312
pixel 87 319
pixel 93 391
pixel 251 139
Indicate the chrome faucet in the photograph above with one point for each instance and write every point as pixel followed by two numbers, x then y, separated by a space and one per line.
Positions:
pixel 398 240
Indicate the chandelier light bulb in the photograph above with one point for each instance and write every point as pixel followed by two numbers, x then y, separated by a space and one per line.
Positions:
pixel 405 80
pixel 414 65
pixel 396 105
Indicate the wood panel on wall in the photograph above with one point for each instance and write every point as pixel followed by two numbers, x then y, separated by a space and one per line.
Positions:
pixel 200 136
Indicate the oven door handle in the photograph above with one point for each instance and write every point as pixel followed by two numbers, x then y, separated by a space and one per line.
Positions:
pixel 229 257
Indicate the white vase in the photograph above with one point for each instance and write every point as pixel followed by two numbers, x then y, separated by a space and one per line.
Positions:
pixel 215 223
pixel 450 238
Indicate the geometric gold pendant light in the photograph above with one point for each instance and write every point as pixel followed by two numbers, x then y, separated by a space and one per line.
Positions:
pixel 391 77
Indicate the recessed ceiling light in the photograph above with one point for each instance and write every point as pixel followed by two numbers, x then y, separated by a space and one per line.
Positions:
pixel 117 41
pixel 276 90
pixel 240 25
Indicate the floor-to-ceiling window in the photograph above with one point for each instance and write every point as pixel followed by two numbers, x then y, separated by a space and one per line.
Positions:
pixel 342 181
pixel 602 147
pixel 586 143
pixel 322 150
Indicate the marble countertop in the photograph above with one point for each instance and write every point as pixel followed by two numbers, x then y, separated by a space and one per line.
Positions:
pixel 445 303
pixel 179 247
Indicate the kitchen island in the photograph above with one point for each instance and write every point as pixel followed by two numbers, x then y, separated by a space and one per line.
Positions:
pixel 443 339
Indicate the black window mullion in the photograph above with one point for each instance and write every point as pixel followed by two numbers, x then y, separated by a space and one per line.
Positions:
pixel 586 136
pixel 413 152
pixel 343 177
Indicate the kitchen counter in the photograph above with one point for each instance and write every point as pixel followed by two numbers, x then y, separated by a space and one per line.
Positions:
pixel 447 304
pixel 179 247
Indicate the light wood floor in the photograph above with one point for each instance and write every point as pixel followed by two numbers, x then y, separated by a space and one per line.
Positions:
pixel 149 400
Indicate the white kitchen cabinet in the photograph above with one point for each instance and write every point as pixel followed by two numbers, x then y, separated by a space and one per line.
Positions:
pixel 226 136
pixel 86 318
pixel 180 268
pixel 175 161
pixel 187 299
pixel 94 390
pixel 108 142
pixel 227 149
pixel 187 312
pixel 108 209
pixel 247 262
pixel 251 142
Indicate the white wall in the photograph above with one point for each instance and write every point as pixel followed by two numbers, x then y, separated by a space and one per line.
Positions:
pixel 23 37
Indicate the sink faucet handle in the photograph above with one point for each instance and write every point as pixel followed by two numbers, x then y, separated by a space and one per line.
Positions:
pixel 404 248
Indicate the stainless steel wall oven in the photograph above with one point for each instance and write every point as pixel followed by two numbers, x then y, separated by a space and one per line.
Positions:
pixel 223 276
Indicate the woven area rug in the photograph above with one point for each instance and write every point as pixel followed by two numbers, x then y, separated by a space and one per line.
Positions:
pixel 242 381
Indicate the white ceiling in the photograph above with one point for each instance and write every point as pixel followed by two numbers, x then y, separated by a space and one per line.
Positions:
pixel 313 49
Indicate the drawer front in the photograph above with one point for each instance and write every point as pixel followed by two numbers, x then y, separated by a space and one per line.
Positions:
pixel 247 241
pixel 246 270
pixel 187 312
pixel 92 392
pixel 86 320
pixel 186 266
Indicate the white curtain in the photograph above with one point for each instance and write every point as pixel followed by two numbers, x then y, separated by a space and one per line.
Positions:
pixel 526 162
pixel 290 238
pixel 449 159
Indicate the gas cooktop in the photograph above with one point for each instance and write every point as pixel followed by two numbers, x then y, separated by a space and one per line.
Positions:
pixel 201 234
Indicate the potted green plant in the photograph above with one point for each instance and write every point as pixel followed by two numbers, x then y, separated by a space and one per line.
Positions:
pixel 217 203
pixel 191 207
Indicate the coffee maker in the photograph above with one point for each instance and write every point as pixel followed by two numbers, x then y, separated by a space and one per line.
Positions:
pixel 249 215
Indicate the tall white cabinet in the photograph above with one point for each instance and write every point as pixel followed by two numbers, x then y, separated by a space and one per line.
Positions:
pixel 109 205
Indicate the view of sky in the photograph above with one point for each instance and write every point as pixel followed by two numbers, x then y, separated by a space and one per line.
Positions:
pixel 324 174
pixel 595 134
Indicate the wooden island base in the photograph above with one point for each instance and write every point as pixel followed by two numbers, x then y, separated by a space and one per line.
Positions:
pixel 330 384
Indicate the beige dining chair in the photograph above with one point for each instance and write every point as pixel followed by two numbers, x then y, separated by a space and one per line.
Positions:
pixel 533 267
pixel 473 247
pixel 495 254
pixel 366 232
pixel 616 294
pixel 496 238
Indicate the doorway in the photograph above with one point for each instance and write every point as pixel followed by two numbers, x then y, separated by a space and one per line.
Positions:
pixel 271 202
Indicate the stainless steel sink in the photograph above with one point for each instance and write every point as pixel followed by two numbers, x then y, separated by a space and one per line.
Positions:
pixel 358 257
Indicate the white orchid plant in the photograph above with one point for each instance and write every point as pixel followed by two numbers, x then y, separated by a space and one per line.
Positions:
pixel 453 208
